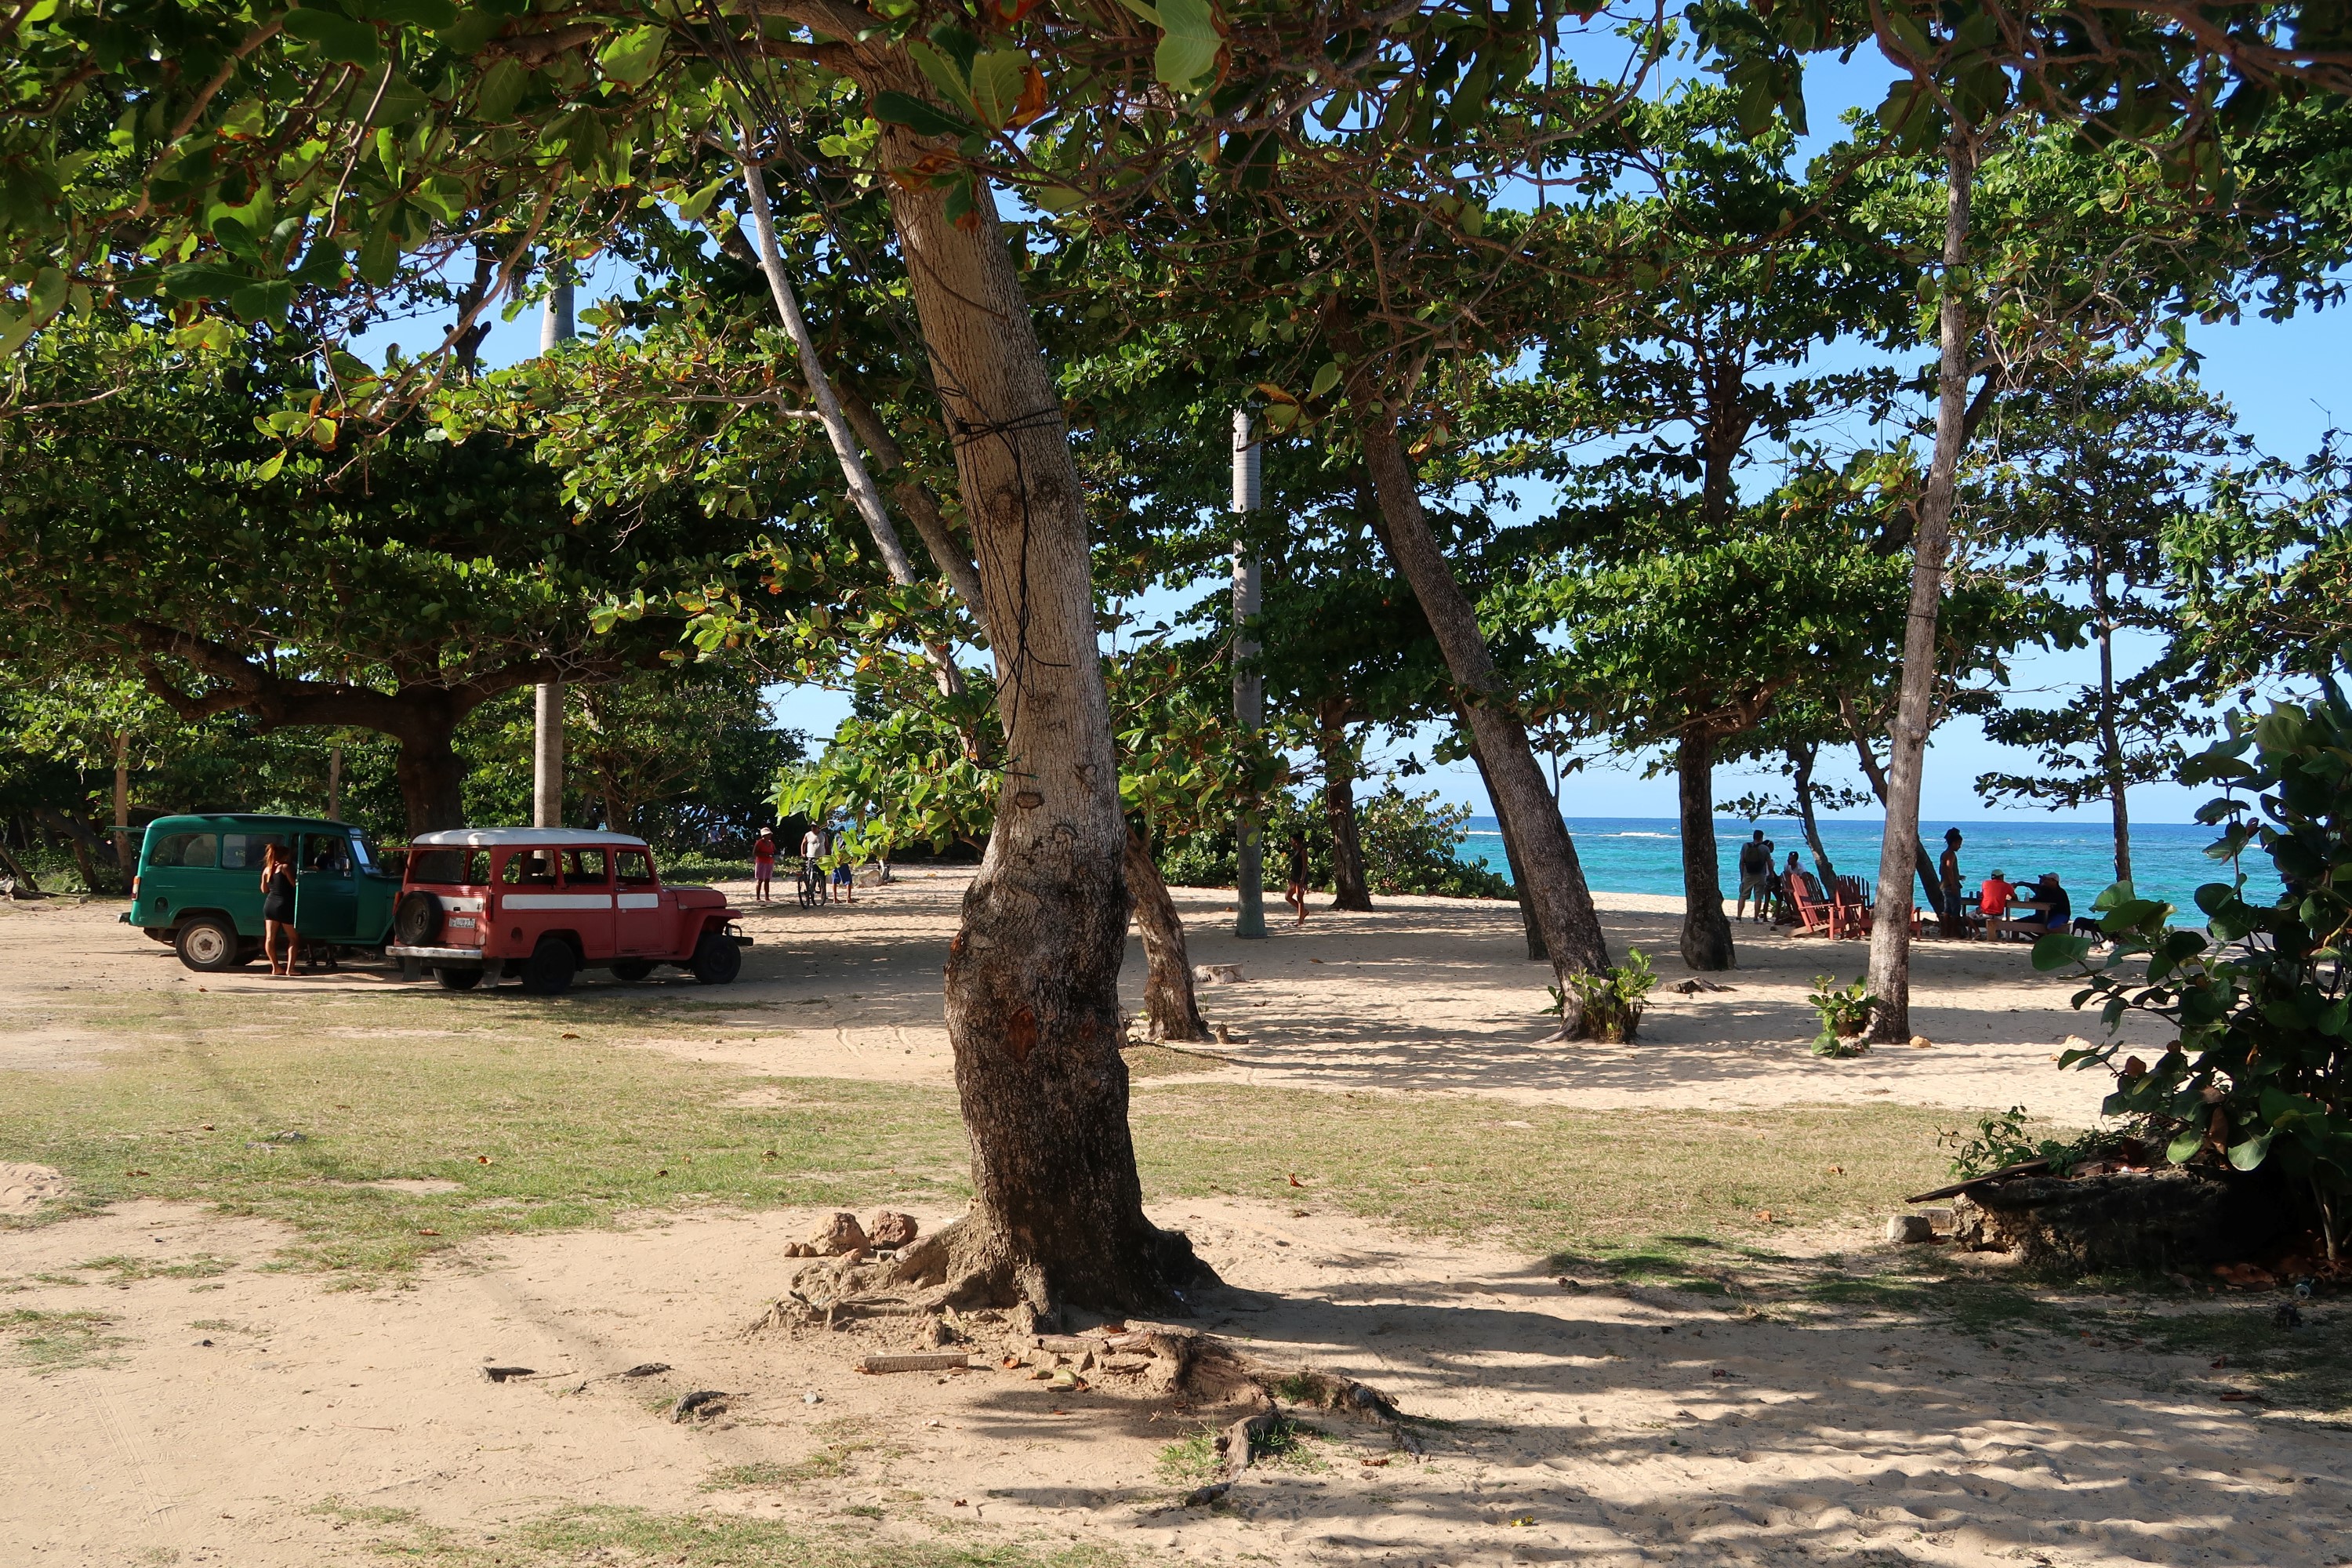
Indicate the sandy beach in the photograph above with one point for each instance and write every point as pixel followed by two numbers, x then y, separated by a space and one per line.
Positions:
pixel 252 1415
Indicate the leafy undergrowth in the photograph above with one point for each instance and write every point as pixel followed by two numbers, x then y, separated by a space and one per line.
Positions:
pixel 1287 1444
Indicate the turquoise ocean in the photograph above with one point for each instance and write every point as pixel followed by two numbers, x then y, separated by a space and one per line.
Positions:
pixel 1644 855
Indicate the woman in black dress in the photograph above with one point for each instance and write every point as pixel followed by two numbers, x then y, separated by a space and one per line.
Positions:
pixel 278 907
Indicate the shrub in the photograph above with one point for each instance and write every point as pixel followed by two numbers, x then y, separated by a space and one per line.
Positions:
pixel 1844 1013
pixel 2259 1074
pixel 1999 1140
pixel 1612 1003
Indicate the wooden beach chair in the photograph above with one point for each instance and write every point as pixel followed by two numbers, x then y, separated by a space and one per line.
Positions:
pixel 1850 908
pixel 1813 915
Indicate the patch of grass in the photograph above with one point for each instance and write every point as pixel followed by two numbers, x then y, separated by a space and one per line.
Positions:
pixel 60 1342
pixel 829 1463
pixel 126 1267
pixel 482 1090
pixel 2308 1367
pixel 714 1540
pixel 1194 1458
pixel 1585 1182
pixel 1146 1060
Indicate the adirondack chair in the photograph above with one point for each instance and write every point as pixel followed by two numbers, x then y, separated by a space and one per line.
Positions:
pixel 1813 915
pixel 1850 907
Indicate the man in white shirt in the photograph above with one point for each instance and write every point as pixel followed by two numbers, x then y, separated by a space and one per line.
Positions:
pixel 812 873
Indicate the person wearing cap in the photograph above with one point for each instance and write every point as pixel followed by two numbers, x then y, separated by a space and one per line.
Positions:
pixel 2056 907
pixel 1993 902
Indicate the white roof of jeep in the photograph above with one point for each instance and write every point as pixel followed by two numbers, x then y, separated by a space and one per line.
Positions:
pixel 493 837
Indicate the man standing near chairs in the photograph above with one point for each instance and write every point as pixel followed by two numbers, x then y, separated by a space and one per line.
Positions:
pixel 1755 874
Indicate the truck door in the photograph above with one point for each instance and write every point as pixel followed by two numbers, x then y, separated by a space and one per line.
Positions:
pixel 588 901
pixel 326 899
pixel 640 926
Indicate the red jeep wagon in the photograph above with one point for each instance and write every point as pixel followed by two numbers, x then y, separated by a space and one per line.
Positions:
pixel 544 902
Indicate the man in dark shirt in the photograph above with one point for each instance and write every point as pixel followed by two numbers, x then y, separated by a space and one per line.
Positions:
pixel 2057 908
pixel 1755 874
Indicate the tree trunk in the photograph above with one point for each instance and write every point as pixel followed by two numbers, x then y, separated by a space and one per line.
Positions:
pixel 122 856
pixel 1707 934
pixel 2111 750
pixel 334 783
pixel 1032 1005
pixel 1349 888
pixel 1801 763
pixel 1876 776
pixel 432 780
pixel 1899 853
pixel 1169 1010
pixel 78 838
pixel 1537 951
pixel 1546 856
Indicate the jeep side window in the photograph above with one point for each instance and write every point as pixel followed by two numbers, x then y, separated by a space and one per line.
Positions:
pixel 242 851
pixel 189 850
pixel 448 866
pixel 587 869
pixel 328 852
pixel 634 867
pixel 529 868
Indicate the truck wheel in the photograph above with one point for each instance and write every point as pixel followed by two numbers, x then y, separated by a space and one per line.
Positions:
pixel 209 945
pixel 417 921
pixel 458 979
pixel 549 970
pixel 629 971
pixel 717 959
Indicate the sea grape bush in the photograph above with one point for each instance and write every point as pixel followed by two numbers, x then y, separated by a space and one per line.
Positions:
pixel 2260 1073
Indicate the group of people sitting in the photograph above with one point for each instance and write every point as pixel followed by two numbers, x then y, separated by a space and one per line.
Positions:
pixel 2006 911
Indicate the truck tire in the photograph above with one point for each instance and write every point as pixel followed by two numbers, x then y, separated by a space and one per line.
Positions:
pixel 417 921
pixel 717 959
pixel 455 979
pixel 629 971
pixel 210 945
pixel 549 970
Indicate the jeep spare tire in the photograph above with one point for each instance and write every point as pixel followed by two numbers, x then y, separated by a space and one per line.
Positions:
pixel 417 921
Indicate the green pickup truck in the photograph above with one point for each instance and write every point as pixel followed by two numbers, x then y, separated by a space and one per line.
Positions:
pixel 199 886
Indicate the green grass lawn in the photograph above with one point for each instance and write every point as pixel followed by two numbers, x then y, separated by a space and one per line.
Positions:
pixel 546 1118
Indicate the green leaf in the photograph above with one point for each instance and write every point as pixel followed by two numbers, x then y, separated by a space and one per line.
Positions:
pixel 1910 36
pixel 339 38
pixel 2060 949
pixel 194 280
pixel 268 471
pixel 690 208
pixel 2184 1148
pixel 501 88
pixel 997 78
pixel 1325 380
pixel 258 302
pixel 472 31
pixel 434 13
pixel 379 258
pixel 943 72
pixel 1189 43
pixel 2245 1156
pixel 634 56
pixel 1055 199
pixel 897 108
pixel 1140 8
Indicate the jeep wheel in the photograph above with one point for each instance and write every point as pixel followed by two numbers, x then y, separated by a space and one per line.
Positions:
pixel 717 959
pixel 417 921
pixel 209 945
pixel 629 971
pixel 453 979
pixel 549 968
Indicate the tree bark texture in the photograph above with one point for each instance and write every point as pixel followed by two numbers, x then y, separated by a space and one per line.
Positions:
pixel 1707 933
pixel 1800 766
pixel 123 858
pixel 1548 874
pixel 1170 1012
pixel 1350 889
pixel 1032 984
pixel 1921 861
pixel 1899 853
pixel 2110 748
pixel 432 780
pixel 1537 951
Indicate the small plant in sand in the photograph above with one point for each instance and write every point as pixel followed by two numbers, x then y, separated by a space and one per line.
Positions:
pixel 1612 1001
pixel 1844 1013
pixel 2000 1140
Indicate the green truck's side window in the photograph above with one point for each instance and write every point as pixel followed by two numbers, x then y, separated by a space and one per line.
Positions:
pixel 189 850
pixel 242 851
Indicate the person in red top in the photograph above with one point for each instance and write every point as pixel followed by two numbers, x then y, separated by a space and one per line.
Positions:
pixel 1993 898
pixel 764 864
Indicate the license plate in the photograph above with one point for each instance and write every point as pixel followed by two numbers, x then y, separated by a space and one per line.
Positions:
pixel 465 920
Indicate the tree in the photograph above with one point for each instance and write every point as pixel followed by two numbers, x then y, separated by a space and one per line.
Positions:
pixel 163 527
pixel 2087 475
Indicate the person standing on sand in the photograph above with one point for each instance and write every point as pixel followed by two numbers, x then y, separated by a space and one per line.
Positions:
pixel 278 907
pixel 812 872
pixel 1755 874
pixel 763 865
pixel 1947 874
pixel 1295 895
